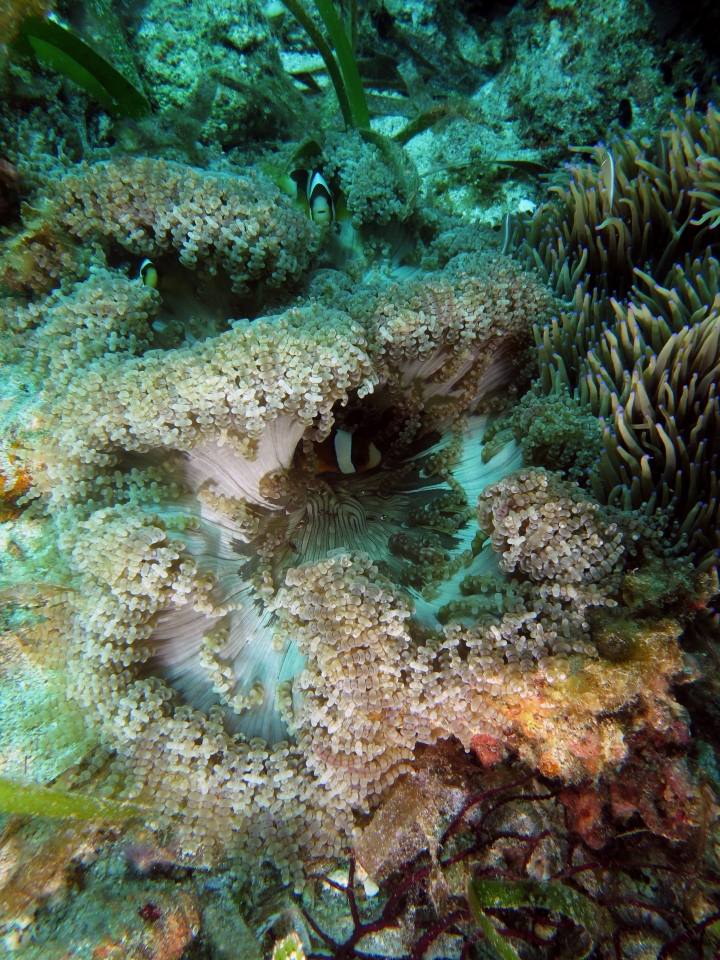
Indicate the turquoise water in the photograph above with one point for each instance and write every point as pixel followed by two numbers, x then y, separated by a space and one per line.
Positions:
pixel 359 441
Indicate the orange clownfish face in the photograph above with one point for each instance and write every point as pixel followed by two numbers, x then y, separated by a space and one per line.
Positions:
pixel 345 453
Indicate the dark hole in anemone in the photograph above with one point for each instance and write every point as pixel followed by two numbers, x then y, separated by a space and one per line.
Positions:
pixel 372 420
pixel 412 514
pixel 625 113
pixel 9 194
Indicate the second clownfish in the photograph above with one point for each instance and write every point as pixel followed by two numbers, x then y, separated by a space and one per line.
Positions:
pixel 314 195
pixel 344 452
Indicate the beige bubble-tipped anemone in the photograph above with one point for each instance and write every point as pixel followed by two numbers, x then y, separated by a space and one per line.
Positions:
pixel 222 595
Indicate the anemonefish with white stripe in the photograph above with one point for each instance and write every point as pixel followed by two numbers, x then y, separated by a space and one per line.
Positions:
pixel 344 452
pixel 314 195
pixel 148 273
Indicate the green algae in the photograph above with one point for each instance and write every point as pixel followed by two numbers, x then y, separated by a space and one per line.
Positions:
pixel 487 893
pixel 289 948
pixel 30 799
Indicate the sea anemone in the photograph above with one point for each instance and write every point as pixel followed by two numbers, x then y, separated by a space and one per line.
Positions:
pixel 643 358
pixel 638 202
pixel 229 585
pixel 184 488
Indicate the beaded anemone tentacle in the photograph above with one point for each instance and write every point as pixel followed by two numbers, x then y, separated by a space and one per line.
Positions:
pixel 259 644
pixel 183 485
pixel 243 224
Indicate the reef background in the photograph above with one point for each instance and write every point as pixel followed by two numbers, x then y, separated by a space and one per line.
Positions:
pixel 292 714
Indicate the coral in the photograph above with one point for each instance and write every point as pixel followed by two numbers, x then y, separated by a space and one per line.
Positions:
pixel 14 484
pixel 451 827
pixel 41 143
pixel 377 178
pixel 548 531
pixel 38 863
pixel 147 598
pixel 374 687
pixel 107 314
pixel 487 894
pixel 65 886
pixel 259 649
pixel 150 601
pixel 242 224
pixel 555 94
pixel 178 48
pixel 648 373
pixel 452 52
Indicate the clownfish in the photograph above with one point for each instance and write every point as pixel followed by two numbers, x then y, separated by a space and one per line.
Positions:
pixel 344 452
pixel 148 273
pixel 313 194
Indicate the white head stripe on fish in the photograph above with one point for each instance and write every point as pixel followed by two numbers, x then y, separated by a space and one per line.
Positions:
pixel 343 451
pixel 320 201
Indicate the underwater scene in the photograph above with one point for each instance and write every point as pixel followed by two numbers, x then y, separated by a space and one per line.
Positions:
pixel 359 479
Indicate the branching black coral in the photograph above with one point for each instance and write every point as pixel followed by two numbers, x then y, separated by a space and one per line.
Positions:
pixel 536 889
